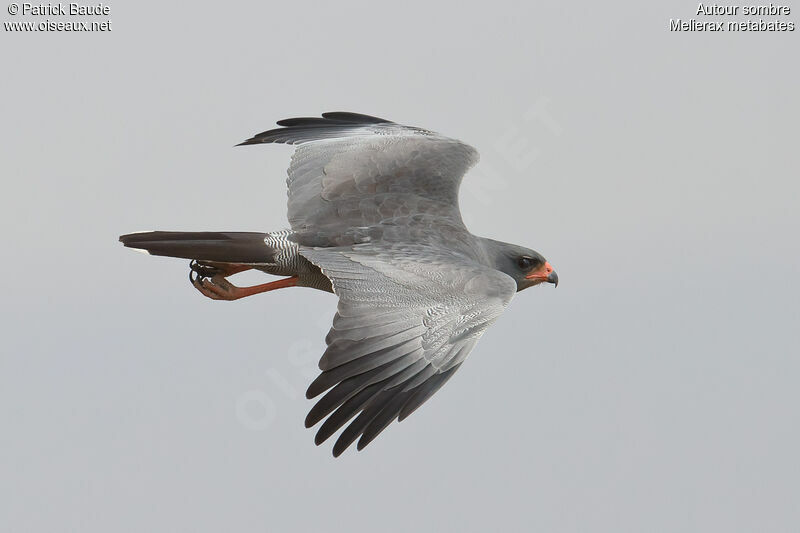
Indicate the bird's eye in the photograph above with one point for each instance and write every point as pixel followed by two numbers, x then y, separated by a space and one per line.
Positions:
pixel 525 262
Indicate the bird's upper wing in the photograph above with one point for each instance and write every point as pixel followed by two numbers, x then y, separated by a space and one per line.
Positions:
pixel 408 315
pixel 355 178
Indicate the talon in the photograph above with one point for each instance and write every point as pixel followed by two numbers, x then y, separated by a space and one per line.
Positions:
pixel 192 272
pixel 199 271
pixel 209 279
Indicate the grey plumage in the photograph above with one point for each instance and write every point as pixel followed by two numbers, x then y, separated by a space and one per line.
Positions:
pixel 373 210
pixel 375 206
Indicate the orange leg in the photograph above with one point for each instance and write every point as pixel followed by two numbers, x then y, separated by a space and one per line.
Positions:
pixel 219 288
pixel 228 269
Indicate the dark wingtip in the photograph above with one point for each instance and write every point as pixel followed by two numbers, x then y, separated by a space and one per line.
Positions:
pixel 337 451
pixel 300 129
pixel 297 121
pixel 354 118
pixel 310 421
pixel 317 387
pixel 310 121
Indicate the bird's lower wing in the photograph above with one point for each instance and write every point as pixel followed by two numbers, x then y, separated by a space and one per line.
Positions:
pixel 407 318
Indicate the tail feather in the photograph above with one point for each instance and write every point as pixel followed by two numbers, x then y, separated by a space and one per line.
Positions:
pixel 226 247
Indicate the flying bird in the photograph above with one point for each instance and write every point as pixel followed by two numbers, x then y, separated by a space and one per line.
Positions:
pixel 374 218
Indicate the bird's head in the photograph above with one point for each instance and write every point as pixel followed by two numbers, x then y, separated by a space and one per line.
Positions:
pixel 527 267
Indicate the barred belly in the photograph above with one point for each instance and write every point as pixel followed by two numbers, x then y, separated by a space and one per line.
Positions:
pixel 287 261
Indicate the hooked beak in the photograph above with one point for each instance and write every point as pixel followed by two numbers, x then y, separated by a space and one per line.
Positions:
pixel 544 274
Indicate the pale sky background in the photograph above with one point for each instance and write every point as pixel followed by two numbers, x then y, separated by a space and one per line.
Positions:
pixel 657 389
